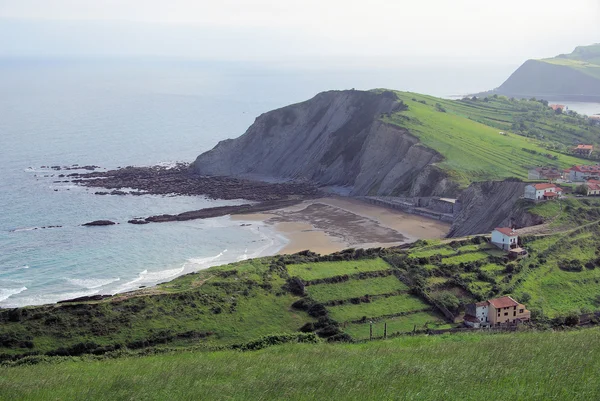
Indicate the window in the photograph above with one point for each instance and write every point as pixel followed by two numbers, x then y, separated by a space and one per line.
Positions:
pixel 514 308
pixel 520 310
pixel 505 313
pixel 514 313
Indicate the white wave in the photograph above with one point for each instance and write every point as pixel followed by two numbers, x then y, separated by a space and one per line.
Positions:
pixel 6 293
pixel 92 283
pixel 146 278
pixel 205 261
pixel 48 298
pixel 16 230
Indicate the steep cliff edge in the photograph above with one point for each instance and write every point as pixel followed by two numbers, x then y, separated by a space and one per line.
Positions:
pixel 487 205
pixel 333 139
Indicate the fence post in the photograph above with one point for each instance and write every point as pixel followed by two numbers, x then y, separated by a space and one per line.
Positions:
pixel 385 330
pixel 370 331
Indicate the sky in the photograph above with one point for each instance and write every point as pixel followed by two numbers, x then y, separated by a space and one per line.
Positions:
pixel 391 31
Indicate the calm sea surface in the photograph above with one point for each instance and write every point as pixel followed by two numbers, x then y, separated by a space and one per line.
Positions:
pixel 118 113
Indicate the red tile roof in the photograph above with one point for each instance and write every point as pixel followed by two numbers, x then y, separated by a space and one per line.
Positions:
pixel 557 106
pixel 484 303
pixel 592 186
pixel 584 147
pixel 550 194
pixel 503 302
pixel 506 231
pixel 539 187
pixel 586 169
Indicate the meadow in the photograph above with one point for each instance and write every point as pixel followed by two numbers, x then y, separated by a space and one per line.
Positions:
pixel 467 134
pixel 546 365
pixel 355 288
pixel 315 271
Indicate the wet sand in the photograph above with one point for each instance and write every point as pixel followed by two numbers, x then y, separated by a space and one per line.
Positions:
pixel 331 224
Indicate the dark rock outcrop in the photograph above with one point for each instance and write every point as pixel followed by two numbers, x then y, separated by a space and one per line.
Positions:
pixel 99 223
pixel 336 138
pixel 487 205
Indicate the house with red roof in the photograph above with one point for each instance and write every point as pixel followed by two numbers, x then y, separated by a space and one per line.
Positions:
pixel 505 238
pixel 584 150
pixel 584 173
pixel 543 191
pixel 496 312
pixel 557 107
pixel 593 187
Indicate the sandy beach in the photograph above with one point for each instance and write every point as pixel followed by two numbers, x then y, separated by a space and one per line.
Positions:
pixel 331 224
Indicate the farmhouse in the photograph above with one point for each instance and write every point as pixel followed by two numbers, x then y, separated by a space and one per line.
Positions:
pixel 542 191
pixel 505 238
pixel 496 312
pixel 593 187
pixel 560 107
pixel 583 150
pixel 584 172
pixel 544 173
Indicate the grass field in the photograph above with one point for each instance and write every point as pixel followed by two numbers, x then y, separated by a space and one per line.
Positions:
pixel 355 288
pixel 466 133
pixel 399 324
pixel 518 366
pixel 314 271
pixel 378 307
pixel 466 257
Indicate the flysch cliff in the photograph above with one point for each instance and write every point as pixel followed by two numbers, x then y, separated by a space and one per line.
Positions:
pixel 336 138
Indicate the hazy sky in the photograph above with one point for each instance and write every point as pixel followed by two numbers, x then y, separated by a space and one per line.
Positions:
pixel 507 31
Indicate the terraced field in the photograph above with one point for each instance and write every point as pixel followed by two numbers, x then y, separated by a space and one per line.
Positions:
pixel 355 289
pixel 320 270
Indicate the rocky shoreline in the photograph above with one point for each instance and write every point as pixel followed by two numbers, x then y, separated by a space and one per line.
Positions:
pixel 181 180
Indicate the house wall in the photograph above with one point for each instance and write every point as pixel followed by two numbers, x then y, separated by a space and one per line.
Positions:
pixel 482 314
pixel 533 174
pixel 530 192
pixel 508 315
pixel 503 241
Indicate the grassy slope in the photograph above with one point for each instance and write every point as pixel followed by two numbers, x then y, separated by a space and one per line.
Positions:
pixel 355 288
pixel 467 135
pixel 540 366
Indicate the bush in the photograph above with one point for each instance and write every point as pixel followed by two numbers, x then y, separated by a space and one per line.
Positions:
pixel 295 286
pixel 573 265
pixel 448 300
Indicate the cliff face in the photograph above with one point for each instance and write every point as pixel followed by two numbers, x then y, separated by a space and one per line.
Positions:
pixel 334 139
pixel 487 205
pixel 544 79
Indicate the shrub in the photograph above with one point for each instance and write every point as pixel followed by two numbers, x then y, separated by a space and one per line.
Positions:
pixel 448 300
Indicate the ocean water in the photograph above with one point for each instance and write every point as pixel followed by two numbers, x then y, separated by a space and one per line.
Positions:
pixel 121 112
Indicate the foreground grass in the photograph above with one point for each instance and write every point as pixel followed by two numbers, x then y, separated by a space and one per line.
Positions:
pixel 521 366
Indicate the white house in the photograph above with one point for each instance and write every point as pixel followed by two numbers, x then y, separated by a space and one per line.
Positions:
pixel 505 238
pixel 476 315
pixel 542 191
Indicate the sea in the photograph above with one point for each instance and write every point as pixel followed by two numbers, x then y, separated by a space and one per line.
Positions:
pixel 120 112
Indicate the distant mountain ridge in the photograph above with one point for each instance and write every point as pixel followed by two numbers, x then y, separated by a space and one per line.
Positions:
pixel 573 76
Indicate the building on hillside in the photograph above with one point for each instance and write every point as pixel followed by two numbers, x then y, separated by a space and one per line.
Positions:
pixel 595 119
pixel 496 312
pixel 592 189
pixel 505 238
pixel 583 150
pixel 505 310
pixel 544 173
pixel 584 173
pixel 542 191
pixel 560 107
pixel 476 315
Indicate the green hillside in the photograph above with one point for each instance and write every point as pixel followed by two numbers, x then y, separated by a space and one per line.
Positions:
pixel 467 133
pixel 585 59
pixel 337 297
pixel 517 366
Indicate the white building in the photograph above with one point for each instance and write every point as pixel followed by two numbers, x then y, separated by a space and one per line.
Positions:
pixel 542 191
pixel 505 238
pixel 476 315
